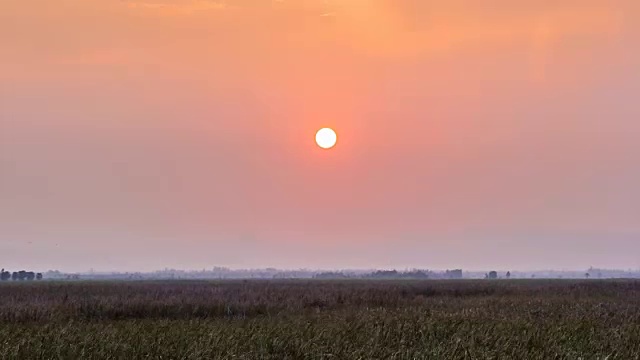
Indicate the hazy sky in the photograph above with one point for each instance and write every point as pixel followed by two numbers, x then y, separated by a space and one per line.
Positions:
pixel 143 134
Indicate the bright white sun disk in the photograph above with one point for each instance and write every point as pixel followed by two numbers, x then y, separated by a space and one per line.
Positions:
pixel 326 138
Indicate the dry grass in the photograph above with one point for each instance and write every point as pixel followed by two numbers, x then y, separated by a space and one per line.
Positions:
pixel 519 319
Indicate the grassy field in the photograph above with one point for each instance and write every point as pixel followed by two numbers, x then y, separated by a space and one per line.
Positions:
pixel 517 319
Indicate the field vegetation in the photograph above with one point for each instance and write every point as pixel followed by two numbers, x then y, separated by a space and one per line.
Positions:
pixel 321 319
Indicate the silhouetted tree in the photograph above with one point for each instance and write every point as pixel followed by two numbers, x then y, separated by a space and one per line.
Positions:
pixel 587 275
pixel 454 274
pixel 5 275
pixel 493 275
pixel 508 274
pixel 39 276
pixel 14 276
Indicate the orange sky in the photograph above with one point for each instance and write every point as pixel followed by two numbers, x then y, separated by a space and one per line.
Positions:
pixel 179 133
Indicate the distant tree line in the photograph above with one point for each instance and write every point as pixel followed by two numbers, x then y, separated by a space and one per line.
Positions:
pixel 394 274
pixel 494 275
pixel 21 275
pixel 332 275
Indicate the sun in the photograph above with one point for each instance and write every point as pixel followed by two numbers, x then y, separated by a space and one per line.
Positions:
pixel 326 138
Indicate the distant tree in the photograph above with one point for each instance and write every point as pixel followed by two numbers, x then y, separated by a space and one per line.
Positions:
pixel 454 274
pixel 587 275
pixel 29 275
pixel 5 275
pixel 493 275
pixel 14 276
pixel 39 276
pixel 508 274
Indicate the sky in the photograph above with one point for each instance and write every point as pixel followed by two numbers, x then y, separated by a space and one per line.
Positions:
pixel 144 134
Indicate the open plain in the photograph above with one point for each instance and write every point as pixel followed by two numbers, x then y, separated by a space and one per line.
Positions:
pixel 314 319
